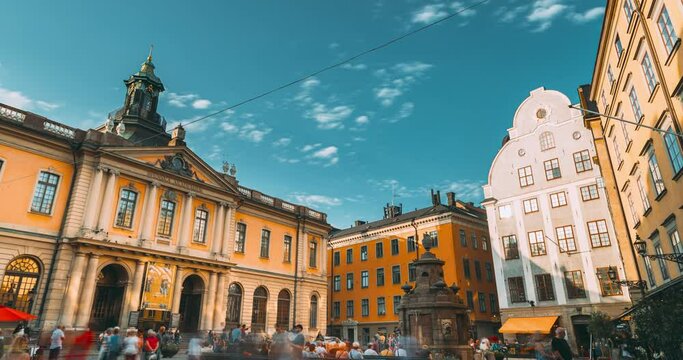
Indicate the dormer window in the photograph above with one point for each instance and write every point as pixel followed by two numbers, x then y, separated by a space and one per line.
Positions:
pixel 547 141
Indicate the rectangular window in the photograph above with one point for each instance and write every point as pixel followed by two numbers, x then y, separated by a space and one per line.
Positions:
pixel 349 256
pixel 473 237
pixel 530 205
pixel 624 131
pixel 412 272
pixel 434 235
pixel 201 220
pixel 166 215
pixel 604 99
pixel 349 309
pixel 650 77
pixel 124 215
pixel 635 105
pixel 240 237
pixel 610 75
pixel 336 285
pixel 505 211
pixel 589 192
pixel 45 192
pixel 493 301
pixel 517 293
pixel 364 279
pixel 662 263
pixel 489 271
pixel 558 199
pixel 607 286
pixel 336 259
pixel 380 277
pixel 648 270
pixel 574 282
pixel 412 246
pixel 666 29
pixel 536 243
pixel 617 46
pixel 565 238
pixel 287 247
pixel 582 161
pixel 477 269
pixel 265 243
pixel 394 246
pixel 510 246
pixel 643 194
pixel 484 244
pixel 676 245
pixel 463 238
pixel 365 307
pixel 544 287
pixel 349 281
pixel 632 207
pixel 598 233
pixel 379 250
pixel 526 177
pixel 396 274
pixel 364 253
pixel 617 152
pixel 336 309
pixel 656 175
pixel 381 306
pixel 482 302
pixel 466 268
pixel 628 9
pixel 470 300
pixel 673 148
pixel 552 169
pixel 396 302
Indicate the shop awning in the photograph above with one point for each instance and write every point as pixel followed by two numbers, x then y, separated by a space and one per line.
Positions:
pixel 528 325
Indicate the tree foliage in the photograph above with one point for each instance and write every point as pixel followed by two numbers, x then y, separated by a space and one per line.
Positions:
pixel 600 325
pixel 658 322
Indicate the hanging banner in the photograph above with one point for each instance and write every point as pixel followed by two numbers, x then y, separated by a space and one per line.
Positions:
pixel 158 288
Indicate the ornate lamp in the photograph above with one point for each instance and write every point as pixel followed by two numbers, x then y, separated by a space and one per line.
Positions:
pixel 640 246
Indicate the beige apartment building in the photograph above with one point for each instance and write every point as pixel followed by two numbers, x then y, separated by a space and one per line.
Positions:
pixel 637 78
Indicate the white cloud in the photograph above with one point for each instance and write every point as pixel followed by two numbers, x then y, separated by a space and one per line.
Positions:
pixel 459 6
pixel 285 160
pixel 413 68
pixel 329 117
pixel 180 101
pixel 310 147
pixel 363 119
pixel 21 101
pixel 349 66
pixel 326 152
pixel 201 104
pixel 251 132
pixel 406 110
pixel 282 142
pixel 543 12
pixel 588 15
pixel 333 45
pixel 303 97
pixel 386 95
pixel 44 105
pixel 464 189
pixel 315 200
pixel 398 79
pixel 358 139
pixel 429 13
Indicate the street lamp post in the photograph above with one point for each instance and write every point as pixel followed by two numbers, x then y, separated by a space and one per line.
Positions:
pixel 613 278
pixel 641 247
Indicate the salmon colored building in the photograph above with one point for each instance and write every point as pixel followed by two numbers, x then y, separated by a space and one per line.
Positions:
pixel 369 262
pixel 125 225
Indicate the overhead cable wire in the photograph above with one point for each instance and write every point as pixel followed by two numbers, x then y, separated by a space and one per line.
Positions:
pixel 637 124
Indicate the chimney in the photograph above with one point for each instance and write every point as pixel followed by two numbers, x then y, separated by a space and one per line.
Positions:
pixel 436 198
pixel 359 223
pixel 177 136
pixel 451 198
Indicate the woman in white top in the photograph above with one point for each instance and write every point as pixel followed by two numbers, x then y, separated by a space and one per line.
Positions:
pixel 130 345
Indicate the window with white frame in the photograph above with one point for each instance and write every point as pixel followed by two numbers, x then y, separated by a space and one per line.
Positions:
pixel 558 199
pixel 582 161
pixel 547 141
pixel 526 177
pixel 313 254
pixel 675 238
pixel 265 243
pixel 505 211
pixel 635 104
pixel 656 175
pixel 648 72
pixel 598 233
pixel 617 46
pixel 673 148
pixel 667 30
pixel 510 247
pixel 126 210
pixel 364 279
pixel 240 237
pixel 610 75
pixel 624 129
pixel 166 215
pixel 648 270
pixel 628 9
pixel 663 269
pixel 565 238
pixel 45 193
pixel 536 243
pixel 632 208
pixel 603 98
pixel 530 205
pixel 589 192
pixel 201 219
pixel 552 169
pixel 617 151
pixel 643 193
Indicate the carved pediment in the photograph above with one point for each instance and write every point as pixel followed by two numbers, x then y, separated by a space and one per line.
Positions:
pixel 179 165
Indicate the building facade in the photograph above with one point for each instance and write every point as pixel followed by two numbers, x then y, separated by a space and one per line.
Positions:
pixel 636 97
pixel 369 262
pixel 125 225
pixel 553 239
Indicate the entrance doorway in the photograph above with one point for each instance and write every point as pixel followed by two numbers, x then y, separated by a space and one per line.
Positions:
pixel 581 333
pixel 191 303
pixel 108 301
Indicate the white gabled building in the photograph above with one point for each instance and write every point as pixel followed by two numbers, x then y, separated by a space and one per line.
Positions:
pixel 550 225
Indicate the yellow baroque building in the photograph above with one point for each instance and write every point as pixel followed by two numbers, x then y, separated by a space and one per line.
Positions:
pixel 125 225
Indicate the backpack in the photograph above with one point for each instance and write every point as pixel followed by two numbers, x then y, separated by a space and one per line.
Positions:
pixel 114 345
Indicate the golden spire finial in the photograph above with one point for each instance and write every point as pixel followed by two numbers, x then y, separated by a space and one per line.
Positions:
pixel 151 49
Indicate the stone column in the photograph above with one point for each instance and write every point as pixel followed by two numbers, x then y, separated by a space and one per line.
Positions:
pixel 108 202
pixel 227 233
pixel 186 227
pixel 88 292
pixel 218 230
pixel 136 289
pixel 72 291
pixel 210 304
pixel 177 290
pixel 220 309
pixel 93 199
pixel 148 215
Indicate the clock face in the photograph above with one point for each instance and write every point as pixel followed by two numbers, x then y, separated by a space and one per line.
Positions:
pixel 541 113
pixel 576 135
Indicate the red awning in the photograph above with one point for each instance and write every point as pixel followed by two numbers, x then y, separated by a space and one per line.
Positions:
pixel 8 314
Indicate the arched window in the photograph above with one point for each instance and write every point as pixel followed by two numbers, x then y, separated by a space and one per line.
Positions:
pixel 547 141
pixel 258 312
pixel 234 304
pixel 20 284
pixel 313 320
pixel 283 299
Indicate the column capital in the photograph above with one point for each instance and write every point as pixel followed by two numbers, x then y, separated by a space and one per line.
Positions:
pixel 191 194
pixel 94 256
pixel 114 172
pixel 155 183
pixel 223 204
pixel 100 168
pixel 80 254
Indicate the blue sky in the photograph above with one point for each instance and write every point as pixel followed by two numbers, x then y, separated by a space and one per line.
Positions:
pixel 427 112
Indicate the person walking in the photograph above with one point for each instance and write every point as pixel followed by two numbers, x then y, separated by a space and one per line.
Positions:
pixel 355 352
pixel 151 345
pixel 559 346
pixel 280 348
pixel 114 344
pixel 56 342
pixel 104 344
pixel 298 342
pixel 131 349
